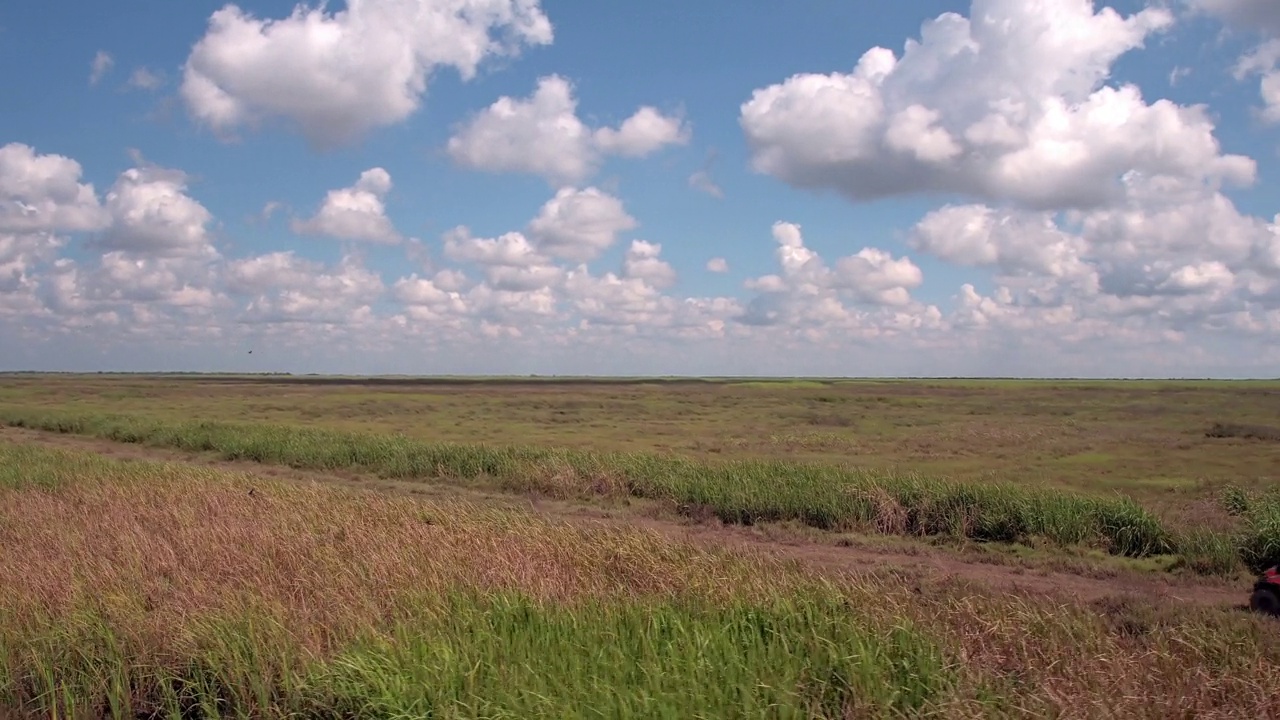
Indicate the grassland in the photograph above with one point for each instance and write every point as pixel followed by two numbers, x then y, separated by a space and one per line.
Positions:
pixel 1147 439
pixel 1059 445
pixel 189 590
pixel 144 588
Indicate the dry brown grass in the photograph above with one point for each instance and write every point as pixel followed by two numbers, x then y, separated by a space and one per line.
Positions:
pixel 332 562
pixel 1064 660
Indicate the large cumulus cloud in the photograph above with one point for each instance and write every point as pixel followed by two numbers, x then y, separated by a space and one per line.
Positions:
pixel 336 75
pixel 1008 104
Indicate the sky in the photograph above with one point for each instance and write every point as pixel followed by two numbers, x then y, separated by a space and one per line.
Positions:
pixel 1038 188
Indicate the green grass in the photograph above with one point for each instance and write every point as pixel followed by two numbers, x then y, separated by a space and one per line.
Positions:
pixel 506 657
pixel 498 655
pixel 1259 540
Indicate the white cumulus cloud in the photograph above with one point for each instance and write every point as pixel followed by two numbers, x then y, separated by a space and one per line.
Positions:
pixel 151 214
pixel 1170 262
pixel 642 261
pixel 285 288
pixel 44 193
pixel 807 292
pixel 21 258
pixel 167 283
pixel 1171 258
pixel 1007 104
pixel 510 262
pixel 354 213
pixel 157 274
pixel 542 135
pixel 641 134
pixel 579 224
pixel 1017 243
pixel 339 74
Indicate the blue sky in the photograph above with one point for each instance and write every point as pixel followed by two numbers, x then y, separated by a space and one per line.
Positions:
pixel 1068 188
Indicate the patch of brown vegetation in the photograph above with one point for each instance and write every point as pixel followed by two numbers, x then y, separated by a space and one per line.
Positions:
pixel 331 561
pixel 1244 431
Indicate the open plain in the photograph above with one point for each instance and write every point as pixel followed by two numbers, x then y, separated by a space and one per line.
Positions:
pixel 304 546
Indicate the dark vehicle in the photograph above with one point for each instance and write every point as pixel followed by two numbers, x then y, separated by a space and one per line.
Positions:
pixel 1266 593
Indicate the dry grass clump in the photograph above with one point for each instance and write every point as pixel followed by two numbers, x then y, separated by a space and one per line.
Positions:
pixel 180 539
pixel 1245 431
pixel 141 587
pixel 1121 657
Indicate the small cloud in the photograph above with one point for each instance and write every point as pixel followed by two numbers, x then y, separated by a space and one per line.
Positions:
pixel 356 212
pixel 144 78
pixel 701 180
pixel 542 134
pixel 643 263
pixel 1177 74
pixel 718 265
pixel 101 65
pixel 268 211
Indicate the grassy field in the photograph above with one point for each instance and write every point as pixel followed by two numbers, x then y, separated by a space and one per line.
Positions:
pixel 137 588
pixel 1133 468
pixel 1143 438
pixel 188 589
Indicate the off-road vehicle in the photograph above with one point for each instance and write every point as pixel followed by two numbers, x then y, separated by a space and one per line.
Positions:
pixel 1266 593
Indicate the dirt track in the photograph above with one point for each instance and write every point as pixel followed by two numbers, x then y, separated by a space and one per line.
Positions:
pixel 933 563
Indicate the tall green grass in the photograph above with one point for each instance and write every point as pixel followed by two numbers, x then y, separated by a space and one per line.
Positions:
pixel 741 492
pixel 501 655
pixel 1258 540
pixel 504 657
pixel 1254 543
